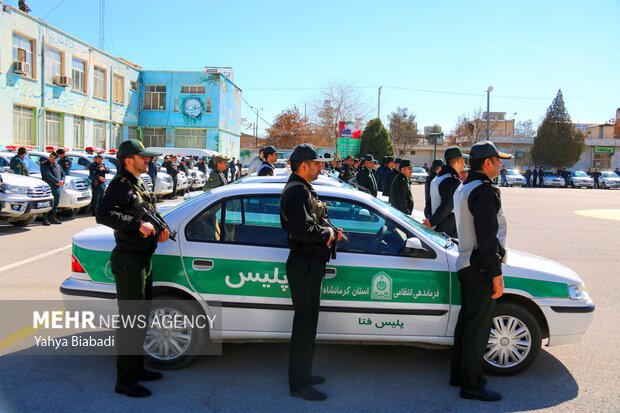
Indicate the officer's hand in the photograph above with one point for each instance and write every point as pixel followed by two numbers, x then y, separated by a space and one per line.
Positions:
pixel 102 179
pixel 163 236
pixel 331 236
pixel 427 223
pixel 498 287
pixel 60 183
pixel 339 237
pixel 146 229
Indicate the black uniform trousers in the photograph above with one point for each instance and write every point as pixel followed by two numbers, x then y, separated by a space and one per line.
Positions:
pixel 305 276
pixel 134 293
pixel 174 187
pixel 473 326
pixel 97 196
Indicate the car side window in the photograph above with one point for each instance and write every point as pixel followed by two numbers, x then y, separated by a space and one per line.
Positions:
pixel 368 232
pixel 240 220
pixel 3 162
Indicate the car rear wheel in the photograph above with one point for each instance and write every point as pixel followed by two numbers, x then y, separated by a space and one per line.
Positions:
pixel 177 345
pixel 514 342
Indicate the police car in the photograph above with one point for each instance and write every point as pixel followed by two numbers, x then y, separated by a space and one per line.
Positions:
pixel 393 282
pixel 418 175
pixel 514 178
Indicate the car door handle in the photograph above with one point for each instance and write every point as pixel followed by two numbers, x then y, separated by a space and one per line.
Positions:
pixel 330 272
pixel 202 265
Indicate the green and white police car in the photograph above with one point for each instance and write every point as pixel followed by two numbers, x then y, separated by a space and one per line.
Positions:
pixel 394 282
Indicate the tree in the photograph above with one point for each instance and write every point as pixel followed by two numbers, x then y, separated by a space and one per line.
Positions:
pixel 471 127
pixel 403 129
pixel 338 101
pixel 376 140
pixel 525 129
pixel 290 129
pixel 557 142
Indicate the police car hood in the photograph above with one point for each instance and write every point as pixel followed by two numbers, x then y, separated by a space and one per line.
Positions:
pixel 21 180
pixel 525 265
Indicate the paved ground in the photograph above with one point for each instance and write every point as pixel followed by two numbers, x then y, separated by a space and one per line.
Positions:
pixel 548 222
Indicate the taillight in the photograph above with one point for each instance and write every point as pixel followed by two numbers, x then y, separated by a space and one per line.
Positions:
pixel 75 265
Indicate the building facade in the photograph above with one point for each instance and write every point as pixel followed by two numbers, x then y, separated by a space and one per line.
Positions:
pixel 58 90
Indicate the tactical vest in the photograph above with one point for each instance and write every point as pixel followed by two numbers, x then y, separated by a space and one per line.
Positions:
pixel 465 224
pixel 435 195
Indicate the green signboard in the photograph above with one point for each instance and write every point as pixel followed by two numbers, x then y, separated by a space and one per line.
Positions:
pixel 604 150
pixel 348 146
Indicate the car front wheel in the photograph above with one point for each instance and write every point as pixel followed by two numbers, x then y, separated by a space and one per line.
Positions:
pixel 174 346
pixel 514 342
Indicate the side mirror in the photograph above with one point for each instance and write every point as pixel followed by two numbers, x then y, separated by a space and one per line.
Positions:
pixel 414 244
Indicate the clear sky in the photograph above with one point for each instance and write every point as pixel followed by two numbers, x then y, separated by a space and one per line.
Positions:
pixel 435 57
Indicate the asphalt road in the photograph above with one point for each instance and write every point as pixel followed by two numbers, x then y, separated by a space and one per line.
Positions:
pixel 582 377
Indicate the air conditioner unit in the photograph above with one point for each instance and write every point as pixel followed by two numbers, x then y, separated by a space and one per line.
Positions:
pixel 21 68
pixel 63 81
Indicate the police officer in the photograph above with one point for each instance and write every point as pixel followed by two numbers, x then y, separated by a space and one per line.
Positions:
pixel 400 192
pixel 389 175
pixel 64 162
pixel 173 170
pixel 136 241
pixel 152 170
pixel 54 176
pixel 366 177
pixel 482 247
pixel 217 177
pixel 346 173
pixel 267 168
pixel 435 168
pixel 442 190
pixel 309 239
pixel 96 173
pixel 383 168
pixel 17 164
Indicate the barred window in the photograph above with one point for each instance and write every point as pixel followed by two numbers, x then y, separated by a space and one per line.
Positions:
pixel 23 125
pixel 23 51
pixel 53 64
pixel 132 132
pixel 99 129
pixel 190 138
pixel 155 97
pixel 78 131
pixel 78 73
pixel 100 89
pixel 117 135
pixel 53 128
pixel 118 89
pixel 154 137
pixel 192 89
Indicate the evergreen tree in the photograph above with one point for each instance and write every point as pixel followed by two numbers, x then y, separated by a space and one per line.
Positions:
pixel 557 142
pixel 376 140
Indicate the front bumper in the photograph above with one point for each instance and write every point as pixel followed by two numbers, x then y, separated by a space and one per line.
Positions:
pixel 24 208
pixel 567 320
pixel 72 199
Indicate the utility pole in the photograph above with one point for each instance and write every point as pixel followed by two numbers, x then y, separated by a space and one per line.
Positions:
pixel 489 90
pixel 101 24
pixel 379 103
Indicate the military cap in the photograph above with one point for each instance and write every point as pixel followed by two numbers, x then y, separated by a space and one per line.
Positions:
pixel 134 147
pixel 454 152
pixel 486 149
pixel 307 152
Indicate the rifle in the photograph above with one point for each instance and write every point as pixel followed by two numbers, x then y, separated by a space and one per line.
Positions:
pixel 334 247
pixel 145 213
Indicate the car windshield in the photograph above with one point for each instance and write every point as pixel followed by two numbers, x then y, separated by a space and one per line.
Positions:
pixel 580 174
pixel 609 174
pixel 553 174
pixel 438 238
pixel 512 172
pixel 32 165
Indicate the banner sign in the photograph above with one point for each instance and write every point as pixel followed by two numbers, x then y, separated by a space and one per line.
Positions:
pixel 349 130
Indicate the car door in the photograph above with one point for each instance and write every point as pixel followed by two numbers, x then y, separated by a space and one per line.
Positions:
pixel 378 287
pixel 234 255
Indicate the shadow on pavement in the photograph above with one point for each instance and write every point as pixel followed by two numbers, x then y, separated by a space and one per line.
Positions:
pixel 253 377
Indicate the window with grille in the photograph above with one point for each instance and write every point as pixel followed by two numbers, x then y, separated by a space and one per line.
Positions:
pixel 155 97
pixel 154 137
pixel 53 128
pixel 117 135
pixel 100 89
pixel 118 89
pixel 23 51
pixel 23 125
pixel 78 131
pixel 53 64
pixel 99 134
pixel 78 73
pixel 192 89
pixel 132 132
pixel 190 138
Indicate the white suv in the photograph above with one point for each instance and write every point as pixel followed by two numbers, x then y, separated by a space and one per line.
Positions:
pixel 22 198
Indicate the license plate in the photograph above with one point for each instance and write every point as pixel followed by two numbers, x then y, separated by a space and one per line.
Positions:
pixel 43 204
pixel 85 195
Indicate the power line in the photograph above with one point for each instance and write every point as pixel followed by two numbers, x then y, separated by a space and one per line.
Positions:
pixel 252 109
pixel 55 7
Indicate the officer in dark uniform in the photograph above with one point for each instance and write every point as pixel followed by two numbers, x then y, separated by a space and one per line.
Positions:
pixel 267 168
pixel 482 246
pixel 435 168
pixel 400 192
pixel 64 162
pixel 442 190
pixel 136 241
pixel 17 164
pixel 346 172
pixel 389 176
pixel 217 177
pixel 366 177
pixel 96 173
pixel 173 170
pixel 54 176
pixel 301 216
pixel 328 167
pixel 383 168
pixel 152 170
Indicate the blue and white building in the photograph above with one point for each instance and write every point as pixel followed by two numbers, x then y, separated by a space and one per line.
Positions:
pixel 57 90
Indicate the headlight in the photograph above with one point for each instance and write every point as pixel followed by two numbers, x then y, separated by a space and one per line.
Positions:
pixel 577 292
pixel 72 185
pixel 14 189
